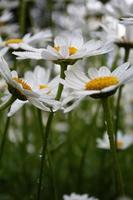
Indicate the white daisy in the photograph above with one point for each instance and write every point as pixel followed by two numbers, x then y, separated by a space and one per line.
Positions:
pixel 112 30
pixel 126 20
pixel 118 8
pixel 5 17
pixel 100 83
pixel 68 48
pixel 123 141
pixel 8 4
pixel 25 42
pixel 39 81
pixel 23 91
pixel 74 196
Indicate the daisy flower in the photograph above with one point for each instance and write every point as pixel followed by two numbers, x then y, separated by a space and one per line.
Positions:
pixel 68 48
pixel 98 84
pixel 8 4
pixel 5 17
pixel 21 90
pixel 123 141
pixel 39 81
pixel 112 30
pixel 74 196
pixel 25 42
pixel 118 8
pixel 126 20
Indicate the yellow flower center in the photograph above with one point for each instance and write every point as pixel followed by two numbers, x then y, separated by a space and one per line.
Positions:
pixel 43 86
pixel 72 50
pixel 120 144
pixel 23 83
pixel 14 41
pixel 101 83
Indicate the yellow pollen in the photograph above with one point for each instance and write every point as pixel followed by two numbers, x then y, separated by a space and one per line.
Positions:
pixel 120 144
pixel 13 41
pixel 23 83
pixel 43 86
pixel 72 50
pixel 101 83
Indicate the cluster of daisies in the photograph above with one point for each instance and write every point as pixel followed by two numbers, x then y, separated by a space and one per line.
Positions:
pixel 37 87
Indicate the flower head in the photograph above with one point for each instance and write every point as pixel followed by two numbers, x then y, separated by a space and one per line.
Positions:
pixel 68 48
pixel 74 196
pixel 99 84
pixel 123 141
pixel 25 42
pixel 23 91
pixel 39 81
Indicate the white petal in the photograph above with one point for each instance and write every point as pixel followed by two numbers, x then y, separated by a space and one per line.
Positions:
pixel 64 52
pixel 60 41
pixel 47 55
pixel 36 102
pixel 93 73
pixel 104 71
pixel 27 55
pixel 17 105
pixel 4 70
pixel 121 69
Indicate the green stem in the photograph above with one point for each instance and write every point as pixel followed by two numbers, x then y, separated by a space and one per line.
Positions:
pixel 4 137
pixel 40 122
pixel 47 131
pixel 8 103
pixel 53 180
pixel 22 16
pixel 117 114
pixel 110 131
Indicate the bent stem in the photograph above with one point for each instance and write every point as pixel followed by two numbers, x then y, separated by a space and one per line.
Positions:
pixel 8 103
pixel 47 131
pixel 110 131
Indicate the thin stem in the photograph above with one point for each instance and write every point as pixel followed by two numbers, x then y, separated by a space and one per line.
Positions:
pixel 60 87
pixel 51 167
pixel 8 103
pixel 117 113
pixel 45 139
pixel 127 52
pixel 47 131
pixel 22 16
pixel 110 131
pixel 39 113
pixel 4 137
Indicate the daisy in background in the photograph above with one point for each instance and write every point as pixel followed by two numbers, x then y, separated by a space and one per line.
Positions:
pixel 127 20
pixel 123 141
pixel 25 42
pixel 7 4
pixel 39 81
pixel 118 8
pixel 5 17
pixel 6 27
pixel 112 30
pixel 74 196
pixel 23 91
pixel 68 48
pixel 98 84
